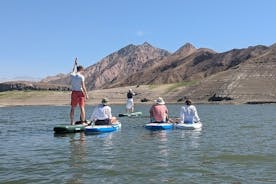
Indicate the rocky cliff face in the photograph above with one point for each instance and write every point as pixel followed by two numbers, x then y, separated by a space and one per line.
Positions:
pixel 243 75
pixel 121 64
pixel 118 66
pixel 248 76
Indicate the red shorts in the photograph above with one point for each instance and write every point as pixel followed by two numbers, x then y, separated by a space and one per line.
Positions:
pixel 77 98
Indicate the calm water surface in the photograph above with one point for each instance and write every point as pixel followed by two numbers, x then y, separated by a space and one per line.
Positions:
pixel 236 145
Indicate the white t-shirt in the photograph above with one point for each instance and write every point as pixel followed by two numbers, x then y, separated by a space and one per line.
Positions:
pixel 188 114
pixel 76 81
pixel 101 112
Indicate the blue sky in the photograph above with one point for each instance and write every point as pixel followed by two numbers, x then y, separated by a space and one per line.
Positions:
pixel 39 38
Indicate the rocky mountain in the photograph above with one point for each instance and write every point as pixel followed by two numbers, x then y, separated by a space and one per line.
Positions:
pixel 117 66
pixel 246 75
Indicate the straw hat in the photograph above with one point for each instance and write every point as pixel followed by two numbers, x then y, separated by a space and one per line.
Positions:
pixel 160 101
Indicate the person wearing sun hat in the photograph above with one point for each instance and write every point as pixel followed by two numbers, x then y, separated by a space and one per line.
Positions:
pixel 102 114
pixel 188 113
pixel 159 112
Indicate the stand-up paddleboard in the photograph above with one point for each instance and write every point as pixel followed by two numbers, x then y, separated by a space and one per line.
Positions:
pixel 159 126
pixel 69 128
pixel 130 114
pixel 102 128
pixel 189 126
pixel 78 127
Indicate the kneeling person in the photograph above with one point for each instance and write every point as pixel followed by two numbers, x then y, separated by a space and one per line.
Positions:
pixel 102 114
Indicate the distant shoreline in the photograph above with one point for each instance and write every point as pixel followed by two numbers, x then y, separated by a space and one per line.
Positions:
pixel 117 96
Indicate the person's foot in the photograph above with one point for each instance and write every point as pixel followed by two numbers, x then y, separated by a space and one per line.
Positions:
pixel 85 122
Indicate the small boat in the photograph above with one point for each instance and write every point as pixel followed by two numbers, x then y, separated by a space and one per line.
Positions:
pixel 189 126
pixel 159 126
pixel 130 114
pixel 102 128
pixel 68 128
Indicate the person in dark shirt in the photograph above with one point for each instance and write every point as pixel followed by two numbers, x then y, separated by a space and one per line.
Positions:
pixel 130 102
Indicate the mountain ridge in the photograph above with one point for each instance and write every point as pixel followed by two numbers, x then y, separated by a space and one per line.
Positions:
pixel 215 76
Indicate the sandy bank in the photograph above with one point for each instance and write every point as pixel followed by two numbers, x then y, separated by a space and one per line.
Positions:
pixel 170 92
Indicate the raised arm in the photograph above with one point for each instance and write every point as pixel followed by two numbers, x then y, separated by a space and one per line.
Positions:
pixel 75 65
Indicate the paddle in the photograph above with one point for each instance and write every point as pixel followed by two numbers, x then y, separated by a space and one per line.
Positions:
pixel 75 65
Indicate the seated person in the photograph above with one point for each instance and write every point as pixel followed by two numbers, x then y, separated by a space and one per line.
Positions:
pixel 159 112
pixel 188 113
pixel 102 114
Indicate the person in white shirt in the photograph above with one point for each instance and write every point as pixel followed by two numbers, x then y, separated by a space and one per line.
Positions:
pixel 79 92
pixel 102 114
pixel 188 113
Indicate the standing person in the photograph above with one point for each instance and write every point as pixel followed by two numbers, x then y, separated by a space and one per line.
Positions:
pixel 130 102
pixel 79 92
pixel 159 112
pixel 188 113
pixel 102 114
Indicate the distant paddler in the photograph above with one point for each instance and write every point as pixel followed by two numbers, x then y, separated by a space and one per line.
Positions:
pixel 79 93
pixel 130 102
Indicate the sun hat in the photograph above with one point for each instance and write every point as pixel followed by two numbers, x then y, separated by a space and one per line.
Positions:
pixel 160 101
pixel 105 101
pixel 188 102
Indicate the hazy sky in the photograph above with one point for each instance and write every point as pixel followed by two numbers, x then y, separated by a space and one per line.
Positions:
pixel 39 38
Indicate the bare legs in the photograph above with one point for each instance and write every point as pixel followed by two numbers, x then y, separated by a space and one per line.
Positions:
pixel 130 110
pixel 82 115
pixel 72 113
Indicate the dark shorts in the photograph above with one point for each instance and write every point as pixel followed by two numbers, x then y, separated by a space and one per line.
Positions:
pixel 103 122
pixel 159 122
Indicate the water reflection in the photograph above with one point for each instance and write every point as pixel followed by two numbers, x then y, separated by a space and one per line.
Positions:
pixel 161 135
pixel 102 160
pixel 162 150
pixel 77 158
pixel 193 137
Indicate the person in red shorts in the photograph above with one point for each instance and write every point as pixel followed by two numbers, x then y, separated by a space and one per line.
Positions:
pixel 79 92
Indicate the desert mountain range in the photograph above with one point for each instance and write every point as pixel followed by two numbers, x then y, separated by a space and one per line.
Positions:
pixel 247 74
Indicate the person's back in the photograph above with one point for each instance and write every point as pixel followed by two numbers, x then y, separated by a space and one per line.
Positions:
pixel 79 92
pixel 159 111
pixel 76 81
pixel 129 95
pixel 188 113
pixel 130 102
pixel 102 114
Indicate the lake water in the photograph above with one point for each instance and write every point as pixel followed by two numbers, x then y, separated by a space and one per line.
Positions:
pixel 236 145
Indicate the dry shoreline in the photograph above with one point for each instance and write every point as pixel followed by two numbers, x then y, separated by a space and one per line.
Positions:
pixel 116 96
pixel 62 98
